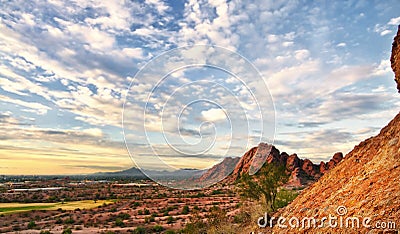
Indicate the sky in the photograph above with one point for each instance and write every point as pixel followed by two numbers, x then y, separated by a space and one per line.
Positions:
pixel 90 86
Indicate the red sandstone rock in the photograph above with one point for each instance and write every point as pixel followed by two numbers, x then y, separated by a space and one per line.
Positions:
pixel 395 58
pixel 302 172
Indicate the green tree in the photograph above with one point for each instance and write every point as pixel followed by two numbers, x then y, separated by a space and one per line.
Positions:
pixel 170 219
pixel 185 210
pixel 67 231
pixel 158 228
pixel 119 222
pixel 139 230
pixel 31 225
pixel 264 184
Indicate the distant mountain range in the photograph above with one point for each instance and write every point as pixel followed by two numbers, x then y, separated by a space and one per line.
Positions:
pixel 139 174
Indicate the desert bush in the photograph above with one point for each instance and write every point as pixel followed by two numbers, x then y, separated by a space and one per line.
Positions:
pixel 195 225
pixel 216 192
pixel 140 230
pixel 119 222
pixel 67 231
pixel 124 216
pixel 158 228
pixel 31 225
pixel 170 219
pixel 70 220
pixel 136 204
pixel 185 210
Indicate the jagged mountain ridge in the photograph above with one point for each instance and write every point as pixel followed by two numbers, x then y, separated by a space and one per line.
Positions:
pixel 302 171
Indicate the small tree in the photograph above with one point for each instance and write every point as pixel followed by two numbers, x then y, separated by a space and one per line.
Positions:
pixel 158 228
pixel 67 231
pixel 31 225
pixel 264 184
pixel 146 211
pixel 119 222
pixel 139 230
pixel 170 219
pixel 185 210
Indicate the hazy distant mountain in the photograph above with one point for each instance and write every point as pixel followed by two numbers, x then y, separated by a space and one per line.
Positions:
pixel 136 173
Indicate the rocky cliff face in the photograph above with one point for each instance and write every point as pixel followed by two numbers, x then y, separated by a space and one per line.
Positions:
pixel 302 171
pixel 395 58
pixel 366 183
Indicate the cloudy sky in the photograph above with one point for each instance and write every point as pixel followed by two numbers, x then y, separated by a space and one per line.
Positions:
pixel 67 67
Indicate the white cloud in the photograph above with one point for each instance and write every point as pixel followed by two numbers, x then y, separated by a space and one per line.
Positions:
pixel 136 53
pixel 38 108
pixel 272 38
pixel 382 68
pixel 97 132
pixel 394 21
pixel 385 32
pixel 301 54
pixel 213 115
pixel 160 5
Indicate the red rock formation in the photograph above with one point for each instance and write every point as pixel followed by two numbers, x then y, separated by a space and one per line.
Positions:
pixel 395 58
pixel 292 162
pixel 244 163
pixel 220 170
pixel 302 172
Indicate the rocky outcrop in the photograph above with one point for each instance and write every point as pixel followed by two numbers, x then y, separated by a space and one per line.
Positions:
pixel 244 163
pixel 395 58
pixel 302 171
pixel 220 170
pixel 337 157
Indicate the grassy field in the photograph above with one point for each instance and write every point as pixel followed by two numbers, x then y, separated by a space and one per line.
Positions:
pixel 6 208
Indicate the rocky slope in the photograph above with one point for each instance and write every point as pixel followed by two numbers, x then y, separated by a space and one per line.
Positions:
pixel 366 183
pixel 303 171
pixel 220 170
